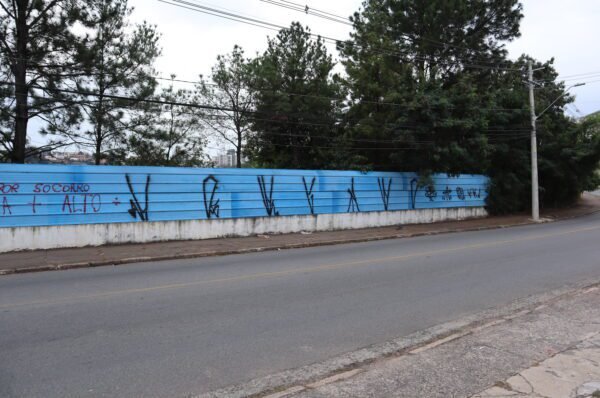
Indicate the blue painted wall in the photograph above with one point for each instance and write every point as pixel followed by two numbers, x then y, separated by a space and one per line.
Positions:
pixel 32 195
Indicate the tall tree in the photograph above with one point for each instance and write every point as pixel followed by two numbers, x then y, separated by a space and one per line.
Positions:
pixel 175 135
pixel 37 49
pixel 432 82
pixel 298 102
pixel 118 60
pixel 415 84
pixel 231 93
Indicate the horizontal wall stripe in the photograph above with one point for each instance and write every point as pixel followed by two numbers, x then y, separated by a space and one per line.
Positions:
pixel 143 170
pixel 247 203
pixel 374 206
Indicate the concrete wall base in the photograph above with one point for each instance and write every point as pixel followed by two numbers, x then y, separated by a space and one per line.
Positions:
pixel 53 237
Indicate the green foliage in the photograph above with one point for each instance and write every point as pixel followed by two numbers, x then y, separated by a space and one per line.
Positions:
pixel 431 86
pixel 230 91
pixel 37 55
pixel 568 163
pixel 296 123
pixel 173 138
pixel 415 97
pixel 568 152
pixel 117 61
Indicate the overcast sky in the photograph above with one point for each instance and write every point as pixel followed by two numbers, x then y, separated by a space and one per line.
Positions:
pixel 567 31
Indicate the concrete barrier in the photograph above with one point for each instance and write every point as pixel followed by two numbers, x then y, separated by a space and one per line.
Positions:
pixel 63 236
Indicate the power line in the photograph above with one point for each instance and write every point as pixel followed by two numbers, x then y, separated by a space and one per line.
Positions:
pixel 339 99
pixel 316 10
pixel 582 77
pixel 309 11
pixel 591 82
pixel 268 25
pixel 385 148
pixel 506 136
pixel 304 8
pixel 406 146
pixel 499 131
pixel 581 74
pixel 336 99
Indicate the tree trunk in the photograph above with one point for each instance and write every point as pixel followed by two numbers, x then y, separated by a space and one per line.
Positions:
pixel 21 89
pixel 98 152
pixel 99 127
pixel 238 152
pixel 22 118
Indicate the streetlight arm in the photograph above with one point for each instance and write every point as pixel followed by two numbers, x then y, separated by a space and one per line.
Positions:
pixel 559 97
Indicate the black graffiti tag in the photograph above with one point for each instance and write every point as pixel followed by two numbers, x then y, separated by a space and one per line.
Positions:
pixel 474 193
pixel 414 188
pixel 431 193
pixel 385 191
pixel 136 209
pixel 310 197
pixel 211 206
pixel 352 201
pixel 34 204
pixel 460 193
pixel 447 193
pixel 267 195
pixel 6 207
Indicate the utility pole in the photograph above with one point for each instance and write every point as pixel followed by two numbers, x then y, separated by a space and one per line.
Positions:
pixel 535 193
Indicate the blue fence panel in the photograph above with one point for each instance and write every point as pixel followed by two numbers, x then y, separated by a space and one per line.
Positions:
pixel 37 195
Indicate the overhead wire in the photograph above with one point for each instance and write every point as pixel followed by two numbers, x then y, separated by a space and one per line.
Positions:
pixel 506 135
pixel 340 99
pixel 580 74
pixel 251 114
pixel 258 23
pixel 304 8
pixel 272 26
pixel 336 99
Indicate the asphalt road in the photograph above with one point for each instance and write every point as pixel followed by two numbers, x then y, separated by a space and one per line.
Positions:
pixel 191 326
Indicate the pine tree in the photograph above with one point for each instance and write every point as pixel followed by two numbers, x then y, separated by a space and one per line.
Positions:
pixel 119 63
pixel 174 134
pixel 431 80
pixel 37 54
pixel 296 124
pixel 413 81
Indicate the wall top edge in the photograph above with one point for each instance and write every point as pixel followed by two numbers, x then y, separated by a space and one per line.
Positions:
pixel 77 169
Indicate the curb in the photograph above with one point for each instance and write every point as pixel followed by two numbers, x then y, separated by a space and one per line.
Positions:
pixel 133 260
pixel 286 383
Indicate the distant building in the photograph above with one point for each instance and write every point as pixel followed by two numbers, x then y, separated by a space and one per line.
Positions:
pixel 227 159
pixel 67 158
